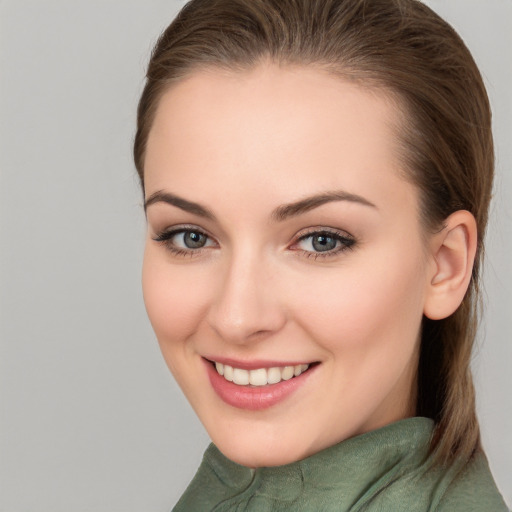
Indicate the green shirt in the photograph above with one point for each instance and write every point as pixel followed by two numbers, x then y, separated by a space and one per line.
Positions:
pixel 385 470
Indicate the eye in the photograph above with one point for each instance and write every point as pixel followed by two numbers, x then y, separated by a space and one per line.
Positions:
pixel 185 240
pixel 324 243
pixel 190 239
pixel 320 243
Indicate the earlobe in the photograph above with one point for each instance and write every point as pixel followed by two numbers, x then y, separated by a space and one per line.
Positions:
pixel 453 253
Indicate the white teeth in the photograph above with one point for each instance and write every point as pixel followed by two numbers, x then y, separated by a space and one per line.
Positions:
pixel 300 368
pixel 228 373
pixel 260 376
pixel 287 372
pixel 240 377
pixel 273 375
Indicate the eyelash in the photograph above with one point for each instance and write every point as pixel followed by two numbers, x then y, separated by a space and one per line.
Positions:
pixel 345 240
pixel 165 237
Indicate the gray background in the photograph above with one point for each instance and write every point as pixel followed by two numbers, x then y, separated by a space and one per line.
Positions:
pixel 90 419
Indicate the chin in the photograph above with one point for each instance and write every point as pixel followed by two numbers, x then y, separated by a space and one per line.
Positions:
pixel 255 457
pixel 261 449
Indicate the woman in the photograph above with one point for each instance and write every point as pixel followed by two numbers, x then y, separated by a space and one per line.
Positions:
pixel 317 176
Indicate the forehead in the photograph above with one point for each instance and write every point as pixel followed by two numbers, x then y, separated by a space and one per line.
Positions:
pixel 282 126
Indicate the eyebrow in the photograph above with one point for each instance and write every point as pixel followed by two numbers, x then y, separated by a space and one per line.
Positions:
pixel 188 206
pixel 280 214
pixel 286 211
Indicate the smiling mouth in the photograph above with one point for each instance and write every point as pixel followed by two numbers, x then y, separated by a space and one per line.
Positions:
pixel 259 376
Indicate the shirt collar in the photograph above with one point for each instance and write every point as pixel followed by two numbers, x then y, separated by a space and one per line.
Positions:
pixel 357 467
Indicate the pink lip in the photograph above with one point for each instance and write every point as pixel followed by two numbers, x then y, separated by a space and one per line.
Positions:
pixel 254 398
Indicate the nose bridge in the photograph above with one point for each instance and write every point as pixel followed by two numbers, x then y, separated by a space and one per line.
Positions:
pixel 245 305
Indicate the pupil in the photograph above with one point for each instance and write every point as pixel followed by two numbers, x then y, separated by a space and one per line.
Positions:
pixel 194 240
pixel 324 243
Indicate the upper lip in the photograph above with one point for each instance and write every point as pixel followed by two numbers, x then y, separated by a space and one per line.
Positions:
pixel 255 363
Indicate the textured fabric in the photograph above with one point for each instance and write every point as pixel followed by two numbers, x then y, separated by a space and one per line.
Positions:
pixel 385 470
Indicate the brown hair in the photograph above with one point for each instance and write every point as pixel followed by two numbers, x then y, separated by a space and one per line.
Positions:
pixel 402 47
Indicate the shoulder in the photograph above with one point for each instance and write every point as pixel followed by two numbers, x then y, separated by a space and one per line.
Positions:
pixel 472 489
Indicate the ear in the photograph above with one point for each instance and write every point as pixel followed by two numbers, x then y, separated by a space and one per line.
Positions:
pixel 453 254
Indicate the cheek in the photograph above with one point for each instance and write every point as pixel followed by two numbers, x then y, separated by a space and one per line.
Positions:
pixel 373 303
pixel 175 301
pixel 367 318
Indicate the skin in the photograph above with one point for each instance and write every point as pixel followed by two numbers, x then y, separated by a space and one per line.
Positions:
pixel 242 145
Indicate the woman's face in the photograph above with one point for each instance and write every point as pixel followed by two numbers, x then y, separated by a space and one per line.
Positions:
pixel 282 240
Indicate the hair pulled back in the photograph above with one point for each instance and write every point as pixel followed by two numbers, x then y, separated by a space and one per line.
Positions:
pixel 405 49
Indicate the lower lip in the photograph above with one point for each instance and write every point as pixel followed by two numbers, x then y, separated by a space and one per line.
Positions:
pixel 258 397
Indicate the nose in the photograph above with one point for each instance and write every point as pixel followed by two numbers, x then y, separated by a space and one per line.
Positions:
pixel 245 307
